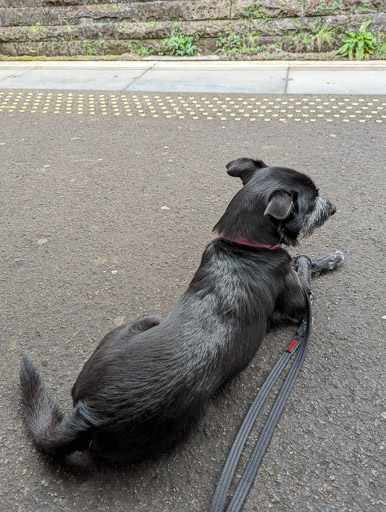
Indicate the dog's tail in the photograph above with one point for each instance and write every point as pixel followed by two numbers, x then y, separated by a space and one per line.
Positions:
pixel 52 432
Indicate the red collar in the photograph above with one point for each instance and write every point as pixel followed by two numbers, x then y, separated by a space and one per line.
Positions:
pixel 250 244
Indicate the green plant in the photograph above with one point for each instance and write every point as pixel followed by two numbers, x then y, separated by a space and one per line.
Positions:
pixel 302 37
pixel 326 36
pixel 332 8
pixel 101 43
pixel 91 47
pixel 250 45
pixel 87 46
pixel 256 11
pixel 232 43
pixel 380 46
pixel 229 42
pixel 38 28
pixel 122 27
pixel 360 44
pixel 179 43
pixel 364 6
pixel 142 51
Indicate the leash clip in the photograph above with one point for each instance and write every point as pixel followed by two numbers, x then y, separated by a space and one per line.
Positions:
pixel 309 293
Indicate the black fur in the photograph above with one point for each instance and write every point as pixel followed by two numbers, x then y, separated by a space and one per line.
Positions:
pixel 147 383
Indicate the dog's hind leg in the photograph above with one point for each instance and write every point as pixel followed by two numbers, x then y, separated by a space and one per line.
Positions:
pixel 330 262
pixel 144 323
pixel 115 340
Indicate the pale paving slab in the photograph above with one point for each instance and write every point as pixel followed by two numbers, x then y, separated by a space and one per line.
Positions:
pixel 217 78
pixel 9 72
pixel 79 78
pixel 336 80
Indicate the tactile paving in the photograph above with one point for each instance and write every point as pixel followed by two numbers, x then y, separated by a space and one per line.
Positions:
pixel 233 108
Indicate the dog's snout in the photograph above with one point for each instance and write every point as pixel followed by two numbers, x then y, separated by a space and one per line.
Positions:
pixel 332 209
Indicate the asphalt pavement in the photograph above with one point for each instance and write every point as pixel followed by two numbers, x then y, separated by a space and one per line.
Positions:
pixel 108 200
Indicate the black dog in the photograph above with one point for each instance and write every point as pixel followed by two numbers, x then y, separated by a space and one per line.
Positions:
pixel 147 382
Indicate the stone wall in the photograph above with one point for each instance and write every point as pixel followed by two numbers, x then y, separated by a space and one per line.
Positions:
pixel 115 27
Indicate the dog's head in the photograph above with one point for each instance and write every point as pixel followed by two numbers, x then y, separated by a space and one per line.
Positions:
pixel 275 205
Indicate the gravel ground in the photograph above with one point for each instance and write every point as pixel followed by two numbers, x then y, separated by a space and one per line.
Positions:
pixel 104 218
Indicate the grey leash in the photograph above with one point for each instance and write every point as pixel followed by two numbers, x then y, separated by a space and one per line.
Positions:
pixel 301 341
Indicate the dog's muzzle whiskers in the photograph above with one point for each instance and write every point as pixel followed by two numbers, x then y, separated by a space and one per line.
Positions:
pixel 317 217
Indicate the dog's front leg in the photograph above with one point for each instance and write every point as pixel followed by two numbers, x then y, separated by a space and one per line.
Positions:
pixel 304 269
pixel 326 264
pixel 290 305
pixel 330 262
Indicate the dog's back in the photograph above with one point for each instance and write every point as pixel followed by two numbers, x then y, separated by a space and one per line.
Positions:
pixel 161 379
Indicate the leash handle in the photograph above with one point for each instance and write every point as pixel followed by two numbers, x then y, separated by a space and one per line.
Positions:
pixel 301 340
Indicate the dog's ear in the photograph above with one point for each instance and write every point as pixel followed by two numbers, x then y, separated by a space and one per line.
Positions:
pixel 244 168
pixel 280 205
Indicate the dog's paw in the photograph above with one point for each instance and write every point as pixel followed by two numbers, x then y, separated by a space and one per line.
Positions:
pixel 335 259
pixel 328 263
